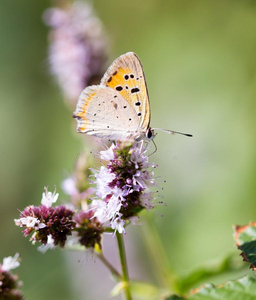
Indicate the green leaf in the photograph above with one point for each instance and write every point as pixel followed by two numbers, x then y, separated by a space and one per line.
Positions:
pixel 241 289
pixel 212 269
pixel 174 297
pixel 245 237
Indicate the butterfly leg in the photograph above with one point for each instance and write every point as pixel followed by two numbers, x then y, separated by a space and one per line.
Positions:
pixel 141 145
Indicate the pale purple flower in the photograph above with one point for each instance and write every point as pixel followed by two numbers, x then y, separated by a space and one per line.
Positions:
pixel 69 187
pixel 78 48
pixel 101 210
pixel 108 154
pixel 118 224
pixel 147 200
pixel 10 263
pixel 48 198
pixel 103 178
pixel 114 205
pixel 139 158
pixel 143 180
pixel 49 245
pixel 29 222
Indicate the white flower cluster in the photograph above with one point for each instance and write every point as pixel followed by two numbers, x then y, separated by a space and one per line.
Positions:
pixel 114 194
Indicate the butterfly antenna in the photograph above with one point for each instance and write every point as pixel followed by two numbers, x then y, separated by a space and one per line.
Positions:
pixel 155 148
pixel 173 132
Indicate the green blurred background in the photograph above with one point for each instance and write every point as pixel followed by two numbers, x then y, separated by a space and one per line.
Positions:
pixel 200 63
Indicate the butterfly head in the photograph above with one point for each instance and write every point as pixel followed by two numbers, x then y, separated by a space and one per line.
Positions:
pixel 150 134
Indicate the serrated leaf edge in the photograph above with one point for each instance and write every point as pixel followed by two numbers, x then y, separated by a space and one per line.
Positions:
pixel 238 229
pixel 202 288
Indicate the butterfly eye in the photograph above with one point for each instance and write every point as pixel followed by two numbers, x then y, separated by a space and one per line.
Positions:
pixel 150 134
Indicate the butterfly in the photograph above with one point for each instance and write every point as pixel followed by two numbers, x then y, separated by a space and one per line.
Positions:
pixel 118 108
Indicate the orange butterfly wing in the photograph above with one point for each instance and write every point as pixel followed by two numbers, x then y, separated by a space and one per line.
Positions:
pixel 126 76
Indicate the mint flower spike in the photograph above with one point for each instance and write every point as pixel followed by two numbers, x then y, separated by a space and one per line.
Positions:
pixel 123 185
pixel 46 224
pixel 77 186
pixel 77 46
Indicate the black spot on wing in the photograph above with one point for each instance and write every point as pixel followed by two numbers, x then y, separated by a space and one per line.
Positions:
pixel 126 76
pixel 114 73
pixel 110 78
pixel 119 88
pixel 135 90
pixel 138 103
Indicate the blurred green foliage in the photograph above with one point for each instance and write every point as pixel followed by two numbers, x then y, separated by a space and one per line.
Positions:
pixel 199 60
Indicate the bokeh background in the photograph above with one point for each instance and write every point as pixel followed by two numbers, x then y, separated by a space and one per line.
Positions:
pixel 199 59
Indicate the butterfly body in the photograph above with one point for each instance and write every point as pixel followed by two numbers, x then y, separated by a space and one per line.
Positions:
pixel 118 108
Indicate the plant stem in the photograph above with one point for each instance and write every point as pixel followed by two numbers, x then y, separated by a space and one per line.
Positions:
pixel 124 267
pixel 113 271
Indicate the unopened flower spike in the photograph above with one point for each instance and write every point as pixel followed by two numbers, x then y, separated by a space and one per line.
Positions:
pixel 89 229
pixel 78 186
